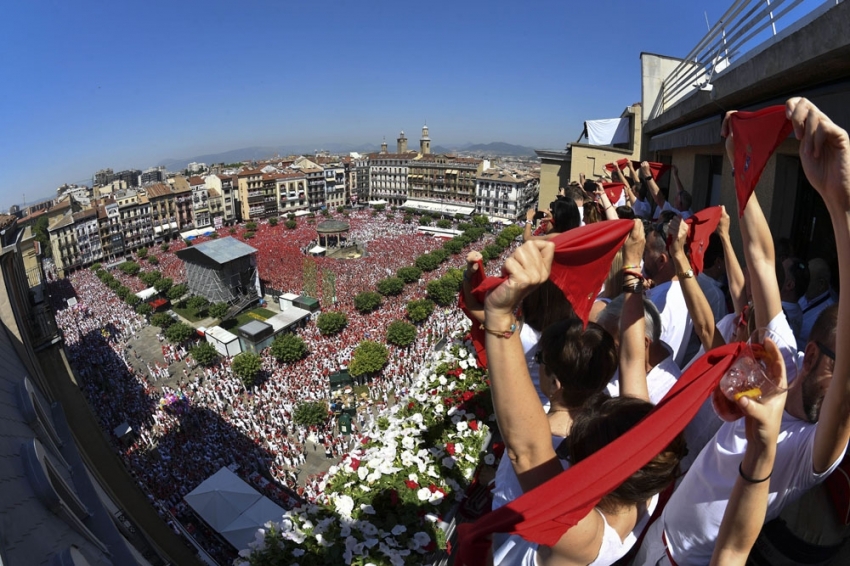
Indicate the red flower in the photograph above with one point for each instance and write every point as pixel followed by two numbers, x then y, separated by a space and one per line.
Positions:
pixel 430 547
pixel 450 448
pixel 410 405
pixel 473 424
pixel 433 488
pixel 355 463
pixel 365 440
pixel 411 484
pixel 468 395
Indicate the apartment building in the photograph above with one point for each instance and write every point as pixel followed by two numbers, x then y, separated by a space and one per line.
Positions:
pixel 251 197
pixel 387 175
pixel 335 184
pixel 136 223
pixel 163 211
pixel 200 202
pixel 87 235
pixel 505 195
pixel 291 192
pixel 443 178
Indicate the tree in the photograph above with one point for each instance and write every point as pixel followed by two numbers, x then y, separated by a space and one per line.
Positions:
pixel 331 322
pixel 246 366
pixel 390 286
pixel 144 309
pixel 380 207
pixel 367 301
pixel 425 220
pixel 189 242
pixel 163 285
pixel 218 310
pixel 175 292
pixel 291 224
pixel 326 212
pixel 132 300
pixel 340 209
pixel 441 293
pixel 197 304
pixel 130 267
pixel 409 274
pixel 481 221
pixel 122 292
pixel 251 226
pixel 161 319
pixel 491 251
pixel 454 278
pixel 440 254
pixel 179 332
pixel 288 348
pixel 401 333
pixel 214 235
pixel 164 247
pixel 95 266
pixel 368 358
pixel 310 413
pixel 453 246
pixel 273 221
pixel 419 310
pixel 150 277
pixel 153 260
pixel 512 232
pixel 205 354
pixel 248 235
pixel 142 253
pixel 443 223
pixel 42 236
pixel 407 219
pixel 427 262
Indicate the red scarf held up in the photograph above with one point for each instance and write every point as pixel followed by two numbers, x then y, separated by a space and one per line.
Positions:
pixel 657 169
pixel 476 333
pixel 701 226
pixel 621 164
pixel 545 513
pixel 583 257
pixel 756 135
pixel 614 191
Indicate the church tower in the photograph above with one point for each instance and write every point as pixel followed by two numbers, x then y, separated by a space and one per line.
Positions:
pixel 401 143
pixel 425 141
pixel 384 146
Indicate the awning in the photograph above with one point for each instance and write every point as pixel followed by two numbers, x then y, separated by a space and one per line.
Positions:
pixel 173 226
pixel 316 250
pixel 157 229
pixel 146 294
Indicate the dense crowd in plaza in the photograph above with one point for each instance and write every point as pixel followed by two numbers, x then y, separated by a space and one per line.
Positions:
pixel 176 447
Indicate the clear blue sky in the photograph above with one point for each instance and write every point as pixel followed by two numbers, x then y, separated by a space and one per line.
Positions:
pixel 96 84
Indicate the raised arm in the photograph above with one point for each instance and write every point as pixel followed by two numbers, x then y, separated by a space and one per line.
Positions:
pixel 676 187
pixel 632 324
pixel 475 308
pixel 602 196
pixel 758 250
pixel 825 156
pixel 734 273
pixel 745 513
pixel 646 174
pixel 520 415
pixel 698 307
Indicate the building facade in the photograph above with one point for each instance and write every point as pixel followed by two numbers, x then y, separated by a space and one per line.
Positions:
pixel 506 195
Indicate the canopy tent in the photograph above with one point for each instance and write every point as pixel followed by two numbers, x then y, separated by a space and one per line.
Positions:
pixel 316 250
pixel 221 498
pixel 122 429
pixel 146 294
pixel 244 528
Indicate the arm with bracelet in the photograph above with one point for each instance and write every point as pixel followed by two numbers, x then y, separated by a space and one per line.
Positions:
pixel 698 307
pixel 632 350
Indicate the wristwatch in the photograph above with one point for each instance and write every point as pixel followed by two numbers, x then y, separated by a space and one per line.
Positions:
pixel 688 274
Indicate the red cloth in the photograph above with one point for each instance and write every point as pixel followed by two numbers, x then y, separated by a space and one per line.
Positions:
pixel 621 163
pixel 583 257
pixel 701 226
pixel 614 191
pixel 756 135
pixel 476 333
pixel 657 169
pixel 544 514
pixel 838 487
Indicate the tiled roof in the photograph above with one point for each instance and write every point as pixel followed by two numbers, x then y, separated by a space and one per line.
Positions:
pixel 159 190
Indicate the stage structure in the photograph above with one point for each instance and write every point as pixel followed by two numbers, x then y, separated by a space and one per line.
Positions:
pixel 222 270
pixel 332 233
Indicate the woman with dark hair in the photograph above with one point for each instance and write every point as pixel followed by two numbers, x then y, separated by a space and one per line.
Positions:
pixel 606 533
pixel 562 215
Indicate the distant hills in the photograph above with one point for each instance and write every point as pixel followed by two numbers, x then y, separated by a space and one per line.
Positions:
pixel 267 152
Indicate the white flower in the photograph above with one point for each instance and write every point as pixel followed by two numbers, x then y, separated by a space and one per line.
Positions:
pixel 443 380
pixel 365 488
pixel 424 494
pixel 462 353
pixel 489 459
pixel 368 509
pixel 462 377
pixel 421 539
pixel 458 448
pixel 344 505
pixel 399 529
pixel 408 443
pixel 463 364
pixel 439 408
pixel 413 477
pixel 462 426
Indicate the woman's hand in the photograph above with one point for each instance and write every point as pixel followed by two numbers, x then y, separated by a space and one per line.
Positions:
pixel 764 417
pixel 525 269
pixel 633 248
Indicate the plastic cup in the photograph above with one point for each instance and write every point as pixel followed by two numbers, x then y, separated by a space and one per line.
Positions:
pixel 749 376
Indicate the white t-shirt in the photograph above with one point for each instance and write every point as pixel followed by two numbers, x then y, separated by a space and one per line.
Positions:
pixel 676 323
pixel 659 380
pixel 685 214
pixel 529 338
pixel 692 517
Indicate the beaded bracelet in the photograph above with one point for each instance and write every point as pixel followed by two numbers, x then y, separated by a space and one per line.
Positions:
pixel 500 333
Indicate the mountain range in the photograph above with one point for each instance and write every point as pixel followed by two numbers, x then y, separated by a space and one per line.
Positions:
pixel 267 152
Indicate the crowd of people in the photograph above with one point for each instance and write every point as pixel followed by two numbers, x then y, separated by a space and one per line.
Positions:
pixel 185 429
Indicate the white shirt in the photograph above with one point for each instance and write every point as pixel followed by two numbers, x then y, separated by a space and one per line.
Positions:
pixel 676 323
pixel 659 380
pixel 529 338
pixel 794 314
pixel 692 517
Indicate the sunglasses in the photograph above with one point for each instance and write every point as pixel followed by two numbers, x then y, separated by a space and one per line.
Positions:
pixel 825 351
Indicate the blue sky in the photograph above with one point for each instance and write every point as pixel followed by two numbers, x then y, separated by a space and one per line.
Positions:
pixel 96 84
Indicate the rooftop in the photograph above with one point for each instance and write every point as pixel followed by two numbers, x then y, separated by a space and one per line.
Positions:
pixel 220 251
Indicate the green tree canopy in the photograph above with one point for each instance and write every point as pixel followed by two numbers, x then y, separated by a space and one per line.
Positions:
pixel 142 253
pixel 368 358
pixel 175 292
pixel 150 277
pixel 453 246
pixel 311 413
pixel 441 293
pixel 419 310
pixel 390 286
pixel 288 348
pixel 401 333
pixel 427 262
pixel 204 353
pixel 42 236
pixel 218 310
pixel 122 292
pixel 367 301
pixel 425 220
pixel 331 322
pixel 251 226
pixel 197 303
pixel 444 223
pixel 153 260
pixel 130 267
pixel 132 300
pixel 491 251
pixel 163 285
pixel 162 320
pixel 273 221
pixel 481 220
pixel 246 366
pixel 143 309
pixel 454 278
pixel 291 224
pixel 179 332
pixel 409 274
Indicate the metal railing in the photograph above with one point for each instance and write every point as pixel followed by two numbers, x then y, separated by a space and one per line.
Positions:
pixel 744 28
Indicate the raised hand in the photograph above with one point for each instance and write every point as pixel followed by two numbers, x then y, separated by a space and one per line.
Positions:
pixel 525 269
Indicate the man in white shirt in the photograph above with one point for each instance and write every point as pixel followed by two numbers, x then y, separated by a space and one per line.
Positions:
pixel 817 295
pixel 666 295
pixel 816 427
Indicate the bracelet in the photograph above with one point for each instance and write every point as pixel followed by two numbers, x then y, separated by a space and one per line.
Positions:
pixel 636 287
pixel 625 267
pixel 500 333
pixel 748 479
pixel 633 273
